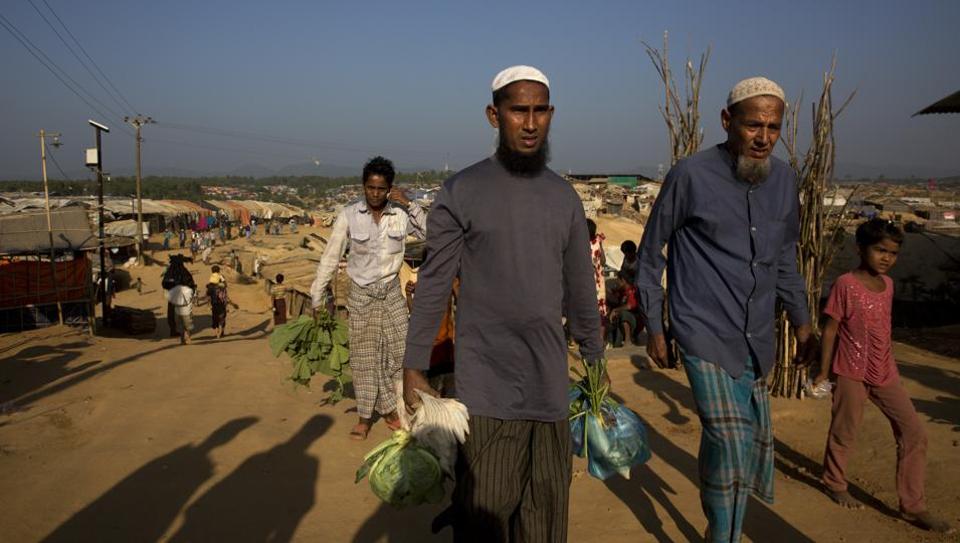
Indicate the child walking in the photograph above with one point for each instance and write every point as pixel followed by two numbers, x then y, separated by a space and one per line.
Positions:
pixel 857 348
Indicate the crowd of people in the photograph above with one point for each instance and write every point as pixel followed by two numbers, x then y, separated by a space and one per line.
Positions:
pixel 507 239
pixel 513 268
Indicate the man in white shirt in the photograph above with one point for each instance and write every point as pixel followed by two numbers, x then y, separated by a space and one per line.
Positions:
pixel 180 296
pixel 375 230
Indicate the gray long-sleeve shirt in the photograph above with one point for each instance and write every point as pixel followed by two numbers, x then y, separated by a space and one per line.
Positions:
pixel 732 253
pixel 521 249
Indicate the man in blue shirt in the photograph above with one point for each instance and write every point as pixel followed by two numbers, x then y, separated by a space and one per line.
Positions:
pixel 729 215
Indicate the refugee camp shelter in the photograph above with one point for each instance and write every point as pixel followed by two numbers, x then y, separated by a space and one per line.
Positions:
pixel 35 291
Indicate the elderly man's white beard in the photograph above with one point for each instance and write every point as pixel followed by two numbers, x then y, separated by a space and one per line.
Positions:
pixel 752 170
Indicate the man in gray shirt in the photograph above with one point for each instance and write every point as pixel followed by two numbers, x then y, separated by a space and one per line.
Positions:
pixel 516 235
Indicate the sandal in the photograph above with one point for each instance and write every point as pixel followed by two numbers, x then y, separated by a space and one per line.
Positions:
pixel 359 432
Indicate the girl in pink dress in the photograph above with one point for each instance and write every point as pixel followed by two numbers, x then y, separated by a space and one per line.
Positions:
pixel 599 261
pixel 857 349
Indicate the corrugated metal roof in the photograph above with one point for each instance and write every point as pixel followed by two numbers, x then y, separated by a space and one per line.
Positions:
pixel 26 233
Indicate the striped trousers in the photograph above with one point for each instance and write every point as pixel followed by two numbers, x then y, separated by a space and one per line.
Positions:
pixel 513 482
pixel 736 444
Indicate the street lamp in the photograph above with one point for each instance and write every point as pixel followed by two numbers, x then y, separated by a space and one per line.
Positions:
pixel 95 161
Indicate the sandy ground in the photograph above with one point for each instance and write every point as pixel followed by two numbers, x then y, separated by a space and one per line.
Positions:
pixel 114 438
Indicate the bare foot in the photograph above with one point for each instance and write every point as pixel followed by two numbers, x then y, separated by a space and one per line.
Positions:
pixel 360 431
pixel 929 522
pixel 392 421
pixel 845 499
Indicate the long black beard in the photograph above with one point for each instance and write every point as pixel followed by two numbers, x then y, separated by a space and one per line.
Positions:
pixel 526 165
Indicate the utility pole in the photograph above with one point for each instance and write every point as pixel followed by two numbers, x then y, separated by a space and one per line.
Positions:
pixel 46 198
pixel 96 161
pixel 138 122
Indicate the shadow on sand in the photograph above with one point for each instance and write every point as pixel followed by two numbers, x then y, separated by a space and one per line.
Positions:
pixel 142 506
pixel 945 409
pixel 265 498
pixel 41 380
pixel 760 524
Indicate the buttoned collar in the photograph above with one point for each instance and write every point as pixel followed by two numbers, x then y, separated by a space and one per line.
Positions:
pixel 388 209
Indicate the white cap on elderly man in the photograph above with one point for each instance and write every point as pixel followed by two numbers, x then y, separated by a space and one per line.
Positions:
pixel 754 86
pixel 518 73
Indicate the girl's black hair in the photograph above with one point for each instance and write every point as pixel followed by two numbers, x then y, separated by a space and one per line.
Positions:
pixel 592 228
pixel 876 230
pixel 628 247
pixel 279 278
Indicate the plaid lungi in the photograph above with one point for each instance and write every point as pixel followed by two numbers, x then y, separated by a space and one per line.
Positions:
pixel 378 331
pixel 736 443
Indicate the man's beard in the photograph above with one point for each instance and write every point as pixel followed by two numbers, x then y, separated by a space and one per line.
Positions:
pixel 752 170
pixel 521 163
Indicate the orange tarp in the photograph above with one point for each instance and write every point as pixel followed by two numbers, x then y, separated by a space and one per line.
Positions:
pixel 32 282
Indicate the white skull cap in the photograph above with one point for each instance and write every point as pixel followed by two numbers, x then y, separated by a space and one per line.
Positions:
pixel 755 86
pixel 518 73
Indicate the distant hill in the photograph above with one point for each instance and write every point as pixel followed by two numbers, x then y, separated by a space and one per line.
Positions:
pixel 890 171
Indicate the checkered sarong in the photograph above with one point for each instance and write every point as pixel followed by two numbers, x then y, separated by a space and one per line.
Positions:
pixel 378 331
pixel 736 444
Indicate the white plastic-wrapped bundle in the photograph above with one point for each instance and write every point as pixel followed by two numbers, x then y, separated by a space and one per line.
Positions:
pixel 438 424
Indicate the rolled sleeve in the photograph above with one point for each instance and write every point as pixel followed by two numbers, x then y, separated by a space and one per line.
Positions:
pixel 330 260
pixel 417 224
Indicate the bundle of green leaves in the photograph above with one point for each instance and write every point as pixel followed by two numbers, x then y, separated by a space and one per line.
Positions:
pixel 318 344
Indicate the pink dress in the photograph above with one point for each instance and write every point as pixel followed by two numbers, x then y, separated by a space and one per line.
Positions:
pixel 864 351
pixel 596 253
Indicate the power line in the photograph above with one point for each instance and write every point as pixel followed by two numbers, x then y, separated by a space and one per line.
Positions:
pixel 335 146
pixel 84 51
pixel 57 164
pixel 34 50
pixel 74 53
pixel 10 29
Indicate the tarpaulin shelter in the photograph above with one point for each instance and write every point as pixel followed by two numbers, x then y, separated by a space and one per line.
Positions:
pixel 26 233
pixel 35 291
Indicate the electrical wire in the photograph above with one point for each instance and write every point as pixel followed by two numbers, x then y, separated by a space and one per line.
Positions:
pixel 62 71
pixel 57 164
pixel 95 65
pixel 75 55
pixel 11 29
pixel 34 50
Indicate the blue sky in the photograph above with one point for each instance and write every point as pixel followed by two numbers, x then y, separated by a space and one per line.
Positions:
pixel 341 81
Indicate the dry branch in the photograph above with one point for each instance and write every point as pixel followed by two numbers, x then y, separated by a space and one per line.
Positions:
pixel 821 230
pixel 682 119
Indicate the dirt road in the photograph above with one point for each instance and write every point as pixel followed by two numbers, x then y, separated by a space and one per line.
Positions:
pixel 135 439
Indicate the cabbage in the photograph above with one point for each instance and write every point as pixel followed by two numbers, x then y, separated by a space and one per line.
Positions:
pixel 402 472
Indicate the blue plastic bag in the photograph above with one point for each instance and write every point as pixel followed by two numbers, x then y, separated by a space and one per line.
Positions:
pixel 613 445
pixel 577 417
